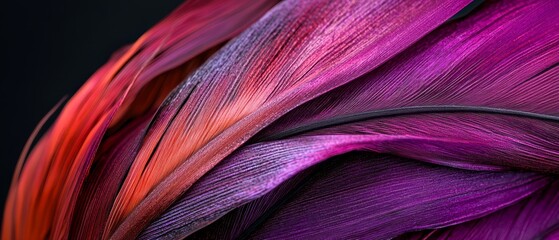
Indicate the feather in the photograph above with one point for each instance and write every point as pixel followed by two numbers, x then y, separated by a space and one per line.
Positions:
pixel 368 198
pixel 535 217
pixel 503 56
pixel 267 119
pixel 52 178
pixel 439 139
pixel 485 132
pixel 224 103
pixel 347 197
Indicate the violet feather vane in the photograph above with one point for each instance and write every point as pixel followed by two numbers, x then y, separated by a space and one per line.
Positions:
pixel 308 119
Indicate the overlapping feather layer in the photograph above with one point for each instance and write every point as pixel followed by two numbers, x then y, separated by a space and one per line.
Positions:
pixel 309 119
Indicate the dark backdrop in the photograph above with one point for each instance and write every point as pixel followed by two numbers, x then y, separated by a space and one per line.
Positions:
pixel 49 48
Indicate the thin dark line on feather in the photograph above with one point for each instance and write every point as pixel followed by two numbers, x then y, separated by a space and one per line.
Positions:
pixel 408 111
pixel 467 10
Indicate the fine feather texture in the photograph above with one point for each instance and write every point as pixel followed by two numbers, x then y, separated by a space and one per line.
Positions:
pixel 462 140
pixel 379 199
pixel 65 155
pixel 536 217
pixel 226 103
pixel 241 222
pixel 308 119
pixel 471 141
pixel 368 196
pixel 503 56
pixel 446 140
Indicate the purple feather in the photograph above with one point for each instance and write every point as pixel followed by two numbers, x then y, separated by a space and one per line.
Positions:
pixel 309 119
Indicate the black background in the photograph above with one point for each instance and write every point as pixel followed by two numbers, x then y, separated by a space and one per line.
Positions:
pixel 49 49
